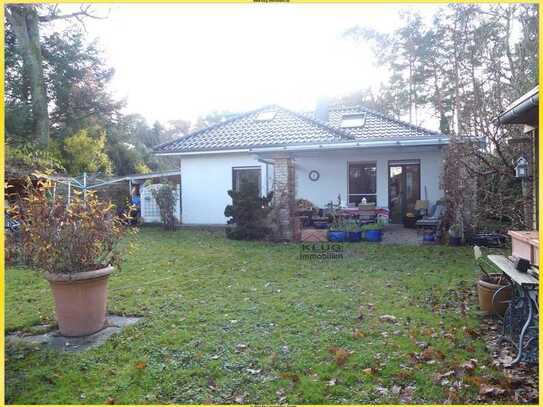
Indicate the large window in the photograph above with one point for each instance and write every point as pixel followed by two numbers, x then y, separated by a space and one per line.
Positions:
pixel 362 182
pixel 242 175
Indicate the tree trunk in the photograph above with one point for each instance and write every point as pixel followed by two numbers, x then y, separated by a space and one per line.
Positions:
pixel 24 20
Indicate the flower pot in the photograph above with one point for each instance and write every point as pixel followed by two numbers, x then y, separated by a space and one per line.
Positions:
pixel 337 236
pixel 355 236
pixel 80 301
pixel 486 291
pixel 374 235
pixel 428 237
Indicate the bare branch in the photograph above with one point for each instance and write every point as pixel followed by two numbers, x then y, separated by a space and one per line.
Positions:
pixel 84 11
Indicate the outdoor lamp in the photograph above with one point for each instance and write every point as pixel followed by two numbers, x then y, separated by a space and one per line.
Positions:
pixel 521 168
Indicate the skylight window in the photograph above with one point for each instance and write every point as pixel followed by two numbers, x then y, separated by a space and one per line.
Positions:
pixel 353 120
pixel 265 116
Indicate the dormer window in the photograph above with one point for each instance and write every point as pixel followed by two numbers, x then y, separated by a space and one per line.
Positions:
pixel 265 116
pixel 353 120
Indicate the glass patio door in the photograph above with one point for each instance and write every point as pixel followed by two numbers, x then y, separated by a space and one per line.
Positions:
pixel 403 188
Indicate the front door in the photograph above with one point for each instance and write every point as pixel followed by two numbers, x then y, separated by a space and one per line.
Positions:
pixel 403 188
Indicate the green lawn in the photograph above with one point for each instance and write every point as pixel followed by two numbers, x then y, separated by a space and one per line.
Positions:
pixel 227 321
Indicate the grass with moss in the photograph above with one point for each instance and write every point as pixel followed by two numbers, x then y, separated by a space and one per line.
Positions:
pixel 249 322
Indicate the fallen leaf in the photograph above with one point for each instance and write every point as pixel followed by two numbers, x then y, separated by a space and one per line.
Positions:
pixel 427 354
pixel 341 355
pixel 240 347
pixel 470 365
pixel 383 391
pixel 403 375
pixel 140 365
pixel 406 395
pixel 388 318
pixel 211 384
pixel 488 390
pixel 281 395
pixel 471 332
pixel 292 376
pixel 439 355
pixel 358 334
pixel 475 380
pixel 360 316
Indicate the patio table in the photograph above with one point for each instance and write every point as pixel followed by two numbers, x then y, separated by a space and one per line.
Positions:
pixel 520 324
pixel 356 213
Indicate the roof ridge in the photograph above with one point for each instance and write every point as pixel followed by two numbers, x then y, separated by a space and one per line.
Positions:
pixel 386 117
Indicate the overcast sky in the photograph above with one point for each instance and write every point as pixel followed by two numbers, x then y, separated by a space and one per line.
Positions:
pixel 178 61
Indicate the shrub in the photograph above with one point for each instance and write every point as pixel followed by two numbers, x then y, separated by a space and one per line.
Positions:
pixel 372 226
pixel 59 238
pixel 247 214
pixel 166 198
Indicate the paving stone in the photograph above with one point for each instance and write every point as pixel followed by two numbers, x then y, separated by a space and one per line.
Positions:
pixel 56 341
pixel 397 234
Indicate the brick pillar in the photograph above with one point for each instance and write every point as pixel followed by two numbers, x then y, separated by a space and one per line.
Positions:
pixel 284 195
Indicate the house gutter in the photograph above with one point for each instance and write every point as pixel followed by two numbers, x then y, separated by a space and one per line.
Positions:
pixel 317 147
pixel 519 109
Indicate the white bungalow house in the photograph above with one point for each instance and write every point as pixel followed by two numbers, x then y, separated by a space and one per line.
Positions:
pixel 352 152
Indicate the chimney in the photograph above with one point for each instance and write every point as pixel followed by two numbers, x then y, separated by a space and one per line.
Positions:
pixel 321 111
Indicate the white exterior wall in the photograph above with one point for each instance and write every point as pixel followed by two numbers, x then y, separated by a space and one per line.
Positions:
pixel 333 169
pixel 205 182
pixel 207 178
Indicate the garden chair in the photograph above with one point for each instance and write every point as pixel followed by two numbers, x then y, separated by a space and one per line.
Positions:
pixel 434 220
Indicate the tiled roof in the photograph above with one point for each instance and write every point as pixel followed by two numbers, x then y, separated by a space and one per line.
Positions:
pixel 377 125
pixel 291 128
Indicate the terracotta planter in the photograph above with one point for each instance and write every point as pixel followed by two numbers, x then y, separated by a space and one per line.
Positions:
pixel 486 291
pixel 80 301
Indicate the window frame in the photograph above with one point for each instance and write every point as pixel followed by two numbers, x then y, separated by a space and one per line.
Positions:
pixel 248 168
pixel 349 194
pixel 352 116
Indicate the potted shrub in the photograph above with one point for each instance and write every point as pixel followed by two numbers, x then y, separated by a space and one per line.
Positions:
pixel 337 232
pixel 353 231
pixel 76 246
pixel 455 235
pixel 373 232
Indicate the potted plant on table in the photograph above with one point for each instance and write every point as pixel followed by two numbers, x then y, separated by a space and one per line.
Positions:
pixel 76 247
